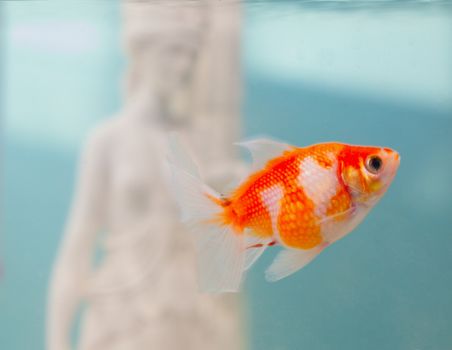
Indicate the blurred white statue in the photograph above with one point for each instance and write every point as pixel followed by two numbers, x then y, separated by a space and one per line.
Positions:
pixel 124 255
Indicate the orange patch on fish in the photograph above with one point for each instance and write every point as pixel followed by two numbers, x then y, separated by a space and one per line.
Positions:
pixel 339 205
pixel 298 226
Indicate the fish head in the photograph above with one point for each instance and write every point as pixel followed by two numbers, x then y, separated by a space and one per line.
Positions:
pixel 368 172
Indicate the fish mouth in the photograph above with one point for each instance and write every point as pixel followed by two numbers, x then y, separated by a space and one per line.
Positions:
pixel 392 163
pixel 397 157
pixel 389 174
pixel 395 163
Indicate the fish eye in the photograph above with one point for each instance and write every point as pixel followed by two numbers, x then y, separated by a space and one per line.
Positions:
pixel 374 164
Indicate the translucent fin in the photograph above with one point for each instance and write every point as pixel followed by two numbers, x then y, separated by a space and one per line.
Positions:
pixel 220 250
pixel 254 248
pixel 335 227
pixel 220 258
pixel 179 155
pixel 262 150
pixel 192 196
pixel 289 261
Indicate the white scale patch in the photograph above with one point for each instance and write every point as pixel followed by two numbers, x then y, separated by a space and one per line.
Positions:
pixel 320 184
pixel 271 199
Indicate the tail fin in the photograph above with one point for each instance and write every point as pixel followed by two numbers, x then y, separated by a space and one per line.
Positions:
pixel 220 249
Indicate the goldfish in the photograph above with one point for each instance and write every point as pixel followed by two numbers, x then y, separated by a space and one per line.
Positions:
pixel 301 199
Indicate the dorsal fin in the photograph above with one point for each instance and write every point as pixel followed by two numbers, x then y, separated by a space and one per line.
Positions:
pixel 262 150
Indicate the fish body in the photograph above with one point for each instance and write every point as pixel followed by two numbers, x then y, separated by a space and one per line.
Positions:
pixel 300 198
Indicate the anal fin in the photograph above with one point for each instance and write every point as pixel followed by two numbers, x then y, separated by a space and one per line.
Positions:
pixel 289 261
pixel 254 248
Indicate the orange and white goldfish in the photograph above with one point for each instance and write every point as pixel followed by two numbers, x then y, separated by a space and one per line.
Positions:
pixel 300 198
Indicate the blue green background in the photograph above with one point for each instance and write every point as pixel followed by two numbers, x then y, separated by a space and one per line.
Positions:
pixel 314 72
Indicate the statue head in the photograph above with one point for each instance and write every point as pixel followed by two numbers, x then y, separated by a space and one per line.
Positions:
pixel 162 43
